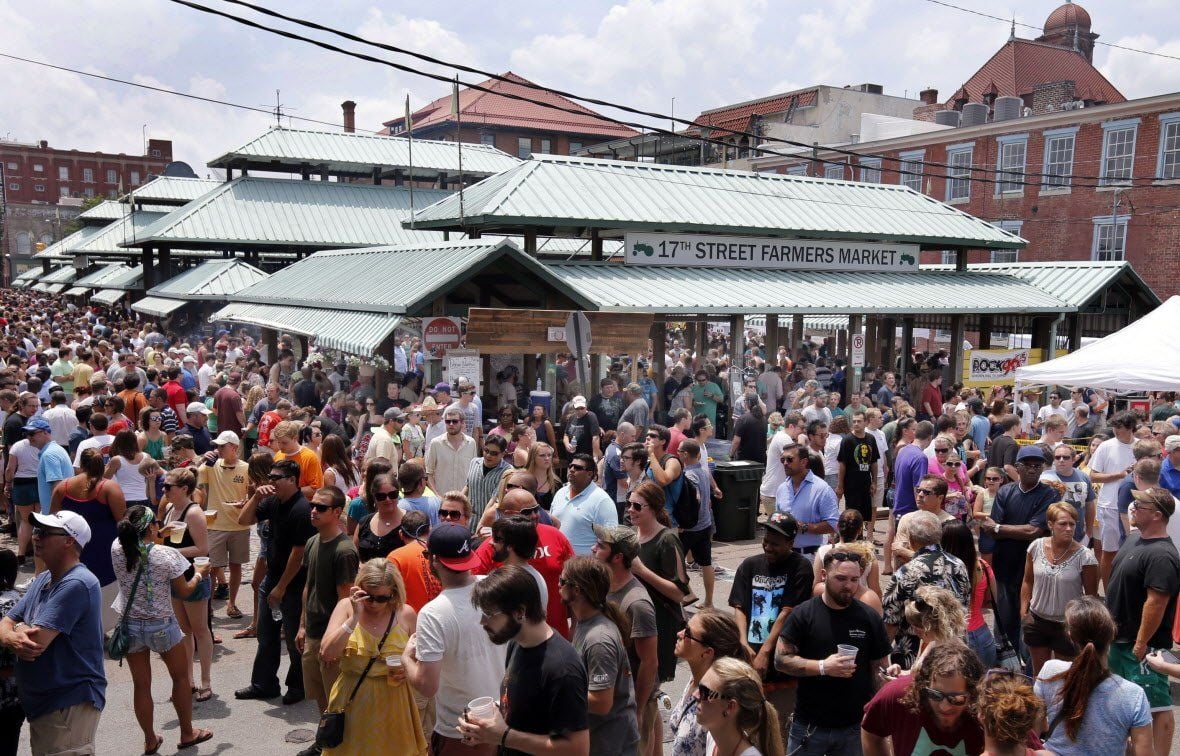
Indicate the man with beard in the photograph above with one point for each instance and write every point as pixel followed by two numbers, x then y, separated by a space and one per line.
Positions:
pixel 449 658
pixel 837 647
pixel 543 697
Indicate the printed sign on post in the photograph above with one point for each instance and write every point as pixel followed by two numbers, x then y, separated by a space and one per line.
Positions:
pixel 995 365
pixel 465 363
pixel 858 350
pixel 441 334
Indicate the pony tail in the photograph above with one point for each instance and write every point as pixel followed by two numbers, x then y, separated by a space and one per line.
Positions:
pixel 1078 682
pixel 129 540
pixel 622 622
pixel 769 738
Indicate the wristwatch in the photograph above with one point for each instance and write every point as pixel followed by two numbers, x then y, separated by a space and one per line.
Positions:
pixel 996 529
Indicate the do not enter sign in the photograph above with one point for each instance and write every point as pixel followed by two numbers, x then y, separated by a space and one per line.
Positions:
pixel 441 334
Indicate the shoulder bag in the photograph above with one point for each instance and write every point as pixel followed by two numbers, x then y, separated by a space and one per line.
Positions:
pixel 1006 655
pixel 330 732
pixel 120 640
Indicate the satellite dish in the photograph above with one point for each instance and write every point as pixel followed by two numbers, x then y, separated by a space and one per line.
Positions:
pixel 179 169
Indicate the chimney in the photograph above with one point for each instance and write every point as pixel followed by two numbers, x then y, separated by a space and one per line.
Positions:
pixel 928 96
pixel 44 144
pixel 349 108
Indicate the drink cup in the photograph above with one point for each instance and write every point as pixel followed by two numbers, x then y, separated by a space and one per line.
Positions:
pixel 481 708
pixel 200 561
pixel 210 516
pixel 393 665
pixel 176 533
pixel 846 650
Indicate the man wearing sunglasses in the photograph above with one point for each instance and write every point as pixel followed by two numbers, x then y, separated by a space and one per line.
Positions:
pixel 332 561
pixel 448 457
pixel 580 505
pixel 1078 490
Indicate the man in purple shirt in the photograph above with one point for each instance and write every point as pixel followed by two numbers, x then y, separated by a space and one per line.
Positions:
pixel 909 466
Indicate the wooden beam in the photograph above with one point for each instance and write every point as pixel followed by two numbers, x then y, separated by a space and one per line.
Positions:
pixel 658 334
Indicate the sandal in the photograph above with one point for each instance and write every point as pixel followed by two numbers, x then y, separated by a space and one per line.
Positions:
pixel 247 632
pixel 688 600
pixel 202 736
pixel 233 612
pixel 203 694
pixel 155 749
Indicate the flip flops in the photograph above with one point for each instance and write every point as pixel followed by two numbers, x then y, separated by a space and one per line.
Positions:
pixel 233 612
pixel 156 749
pixel 247 632
pixel 203 694
pixel 202 736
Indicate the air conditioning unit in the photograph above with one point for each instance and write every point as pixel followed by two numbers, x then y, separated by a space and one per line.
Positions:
pixel 1073 105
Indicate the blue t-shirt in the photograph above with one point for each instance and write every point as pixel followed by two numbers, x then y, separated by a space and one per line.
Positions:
pixel 979 430
pixel 70 670
pixel 579 514
pixel 1114 707
pixel 427 505
pixel 909 467
pixel 55 465
pixel 612 471
pixel 699 475
pixel 1014 506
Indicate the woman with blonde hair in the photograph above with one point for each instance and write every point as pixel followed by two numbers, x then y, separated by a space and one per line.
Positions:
pixel 850 529
pixel 540 464
pixel 1008 711
pixel 735 712
pixel 708 636
pixel 365 629
pixel 250 435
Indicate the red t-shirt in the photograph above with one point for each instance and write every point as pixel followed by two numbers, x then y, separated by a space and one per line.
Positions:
pixel 227 403
pixel 177 398
pixel 553 551
pixel 887 716
pixel 932 395
pixel 674 441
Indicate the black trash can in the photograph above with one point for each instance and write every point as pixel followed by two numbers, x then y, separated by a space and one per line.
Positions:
pixel 736 513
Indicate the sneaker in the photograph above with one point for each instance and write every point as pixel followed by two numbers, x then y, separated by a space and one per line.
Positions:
pixel 311 750
pixel 221 592
pixel 719 571
pixel 693 567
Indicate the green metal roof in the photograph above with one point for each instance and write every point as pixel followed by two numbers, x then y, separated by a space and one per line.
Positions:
pixel 552 192
pixel 63 275
pixel 213 280
pixel 100 277
pixel 258 212
pixel 397 280
pixel 26 278
pixel 111 210
pixel 289 150
pixel 55 288
pixel 621 288
pixel 107 296
pixel 157 307
pixel 41 287
pixel 77 291
pixel 357 333
pixel 171 190
pixel 57 250
pixel 130 277
pixel 109 239
pixel 1074 282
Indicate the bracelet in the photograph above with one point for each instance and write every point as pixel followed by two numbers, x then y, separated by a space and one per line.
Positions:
pixel 347 627
pixel 504 737
pixel 821 668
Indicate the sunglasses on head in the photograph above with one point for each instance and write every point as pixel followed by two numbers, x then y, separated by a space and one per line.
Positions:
pixel 323 507
pixel 450 514
pixel 845 556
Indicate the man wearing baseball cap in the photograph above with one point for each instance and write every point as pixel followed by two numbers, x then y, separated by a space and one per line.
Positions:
pixel 222 483
pixel 386 440
pixel 55 630
pixel 196 425
pixel 1170 468
pixel 450 658
pixel 582 431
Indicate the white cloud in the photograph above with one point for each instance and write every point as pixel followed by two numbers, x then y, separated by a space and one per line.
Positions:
pixel 1138 75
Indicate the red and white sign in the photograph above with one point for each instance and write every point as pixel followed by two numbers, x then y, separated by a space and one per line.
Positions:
pixel 441 334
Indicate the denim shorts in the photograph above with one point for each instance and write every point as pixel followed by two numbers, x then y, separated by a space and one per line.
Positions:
pixel 24 494
pixel 158 635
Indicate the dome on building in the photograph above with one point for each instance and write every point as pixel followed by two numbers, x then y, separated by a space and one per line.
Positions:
pixel 1068 17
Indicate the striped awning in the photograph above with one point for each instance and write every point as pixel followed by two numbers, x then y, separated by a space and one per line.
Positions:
pixel 77 291
pixel 107 296
pixel 358 333
pixel 157 307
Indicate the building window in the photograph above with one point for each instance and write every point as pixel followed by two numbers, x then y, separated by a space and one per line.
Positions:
pixel 112 177
pixel 524 148
pixel 135 178
pixel 911 169
pixel 575 147
pixel 958 184
pixel 835 171
pixel 63 173
pixel 46 239
pixel 39 187
pixel 87 175
pixel 1118 151
pixel 63 191
pixel 870 170
pixel 1169 161
pixel 1010 163
pixel 546 147
pixel 949 257
pixel 1007 255
pixel 488 139
pixel 38 168
pixel 156 153
pixel 1110 238
pixel 88 192
pixel 13 166
pixel 1058 165
pixel 799 169
pixel 13 186
pixel 24 244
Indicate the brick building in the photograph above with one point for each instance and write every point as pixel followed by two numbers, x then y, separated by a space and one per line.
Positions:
pixel 513 126
pixel 1059 156
pixel 36 178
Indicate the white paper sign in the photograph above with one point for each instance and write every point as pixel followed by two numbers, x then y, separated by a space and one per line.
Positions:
pixel 994 364
pixel 466 363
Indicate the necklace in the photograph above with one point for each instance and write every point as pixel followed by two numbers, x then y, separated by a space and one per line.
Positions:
pixel 1056 561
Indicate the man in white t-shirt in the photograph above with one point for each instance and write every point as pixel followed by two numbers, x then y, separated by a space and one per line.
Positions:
pixel 1110 465
pixel 99 439
pixel 775 473
pixel 1053 408
pixel 206 373
pixel 450 658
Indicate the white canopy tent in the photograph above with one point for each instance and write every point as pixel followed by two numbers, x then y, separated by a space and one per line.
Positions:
pixel 1144 356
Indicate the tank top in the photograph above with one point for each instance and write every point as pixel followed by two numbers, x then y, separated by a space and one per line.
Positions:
pixel 372 546
pixel 131 480
pixel 155 449
pixel 186 540
pixel 96 554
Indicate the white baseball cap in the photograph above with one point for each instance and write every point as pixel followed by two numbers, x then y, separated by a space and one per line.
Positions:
pixel 197 407
pixel 227 437
pixel 71 522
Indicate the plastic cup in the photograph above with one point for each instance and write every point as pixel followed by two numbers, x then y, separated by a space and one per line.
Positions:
pixel 846 650
pixel 210 516
pixel 176 533
pixel 483 707
pixel 200 561
pixel 393 665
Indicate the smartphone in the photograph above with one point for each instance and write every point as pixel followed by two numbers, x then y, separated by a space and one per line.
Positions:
pixel 1169 657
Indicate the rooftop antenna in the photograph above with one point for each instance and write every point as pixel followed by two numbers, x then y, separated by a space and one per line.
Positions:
pixel 1012 34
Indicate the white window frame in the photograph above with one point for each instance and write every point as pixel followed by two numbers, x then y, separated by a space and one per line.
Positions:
pixel 38 187
pixel 13 166
pixel 575 148
pixel 87 175
pixel 911 163
pixel 799 169
pixel 1168 122
pixel 63 173
pixel 870 170
pixel 1010 172
pixel 948 257
pixel 953 178
pixel 88 191
pixel 1007 255
pixel 135 178
pixel 14 187
pixel 834 171
pixel 1119 224
pixel 521 148
pixel 1051 180
pixel 63 191
pixel 38 168
pixel 112 176
pixel 157 153
pixel 546 146
pixel 1111 131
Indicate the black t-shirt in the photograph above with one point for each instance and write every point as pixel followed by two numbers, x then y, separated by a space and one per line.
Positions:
pixel 582 432
pixel 1014 506
pixel 751 433
pixel 761 591
pixel 815 629
pixel 14 428
pixel 544 689
pixel 858 455
pixel 1141 564
pixel 290 526
pixel 607 411
pixel 1003 451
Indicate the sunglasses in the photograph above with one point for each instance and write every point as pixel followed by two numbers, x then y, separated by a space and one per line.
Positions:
pixel 937 696
pixel 653 436
pixel 1066 457
pixel 384 495
pixel 992 479
pixel 529 511
pixel 277 476
pixel 41 532
pixel 687 634
pixel 452 422
pixel 578 468
pixel 563 582
pixel 844 556
pixel 953 464
pixel 486 617
pixel 324 507
pixel 450 514
pixel 636 506
pixel 170 486
pixel 379 599
pixel 706 694
pixel 942 451
pixel 925 492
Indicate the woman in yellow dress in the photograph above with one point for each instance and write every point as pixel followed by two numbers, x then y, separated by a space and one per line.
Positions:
pixel 382 718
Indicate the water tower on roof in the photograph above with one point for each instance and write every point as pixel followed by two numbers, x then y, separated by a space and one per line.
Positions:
pixel 1069 26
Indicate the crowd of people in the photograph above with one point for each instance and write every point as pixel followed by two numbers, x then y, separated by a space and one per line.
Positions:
pixel 446 580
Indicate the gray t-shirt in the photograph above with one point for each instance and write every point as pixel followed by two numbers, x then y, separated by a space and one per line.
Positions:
pixel 1078 491
pixel 637 413
pixel 598 642
pixel 1054 586
pixel 635 602
pixel 1114 707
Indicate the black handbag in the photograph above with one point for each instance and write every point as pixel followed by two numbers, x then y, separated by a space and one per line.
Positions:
pixel 330 732
pixel 120 640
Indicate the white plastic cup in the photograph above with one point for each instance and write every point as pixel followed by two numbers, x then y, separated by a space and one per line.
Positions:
pixel 846 650
pixel 483 707
pixel 200 561
pixel 176 533
pixel 393 665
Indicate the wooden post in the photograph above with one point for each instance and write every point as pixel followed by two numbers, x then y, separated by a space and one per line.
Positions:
pixel 1075 332
pixel 149 272
pixel 907 348
pixel 870 329
pixel 530 244
pixel 772 340
pixel 270 340
pixel 985 331
pixel 957 332
pixel 842 346
pixel 658 333
pixel 796 334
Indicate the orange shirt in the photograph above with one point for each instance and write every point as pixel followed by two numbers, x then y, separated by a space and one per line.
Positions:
pixel 133 403
pixel 421 584
pixel 311 471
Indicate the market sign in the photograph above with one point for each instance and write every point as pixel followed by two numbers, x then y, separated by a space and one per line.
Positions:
pixel 767 253
pixel 994 365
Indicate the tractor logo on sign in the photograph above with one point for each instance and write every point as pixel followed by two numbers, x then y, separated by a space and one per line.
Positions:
pixel 908 259
pixel 644 248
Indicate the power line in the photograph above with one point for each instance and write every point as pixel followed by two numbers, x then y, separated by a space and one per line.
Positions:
pixel 581 112
pixel 211 100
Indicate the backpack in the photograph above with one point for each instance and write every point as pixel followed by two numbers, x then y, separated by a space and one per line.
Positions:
pixel 687 508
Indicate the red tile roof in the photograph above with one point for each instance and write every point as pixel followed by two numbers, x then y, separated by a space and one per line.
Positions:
pixel 739 117
pixel 1021 64
pixel 478 108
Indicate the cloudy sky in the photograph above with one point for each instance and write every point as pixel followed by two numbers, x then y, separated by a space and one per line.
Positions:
pixel 703 53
